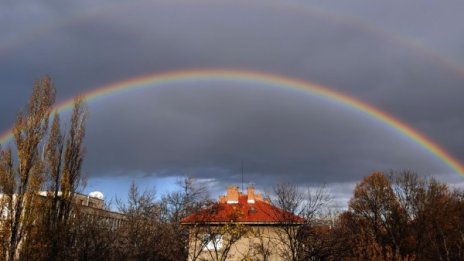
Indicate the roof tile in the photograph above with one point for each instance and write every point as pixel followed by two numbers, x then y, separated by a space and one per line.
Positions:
pixel 243 212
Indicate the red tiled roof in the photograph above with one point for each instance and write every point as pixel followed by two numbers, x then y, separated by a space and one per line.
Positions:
pixel 243 212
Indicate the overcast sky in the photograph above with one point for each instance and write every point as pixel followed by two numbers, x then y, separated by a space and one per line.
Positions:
pixel 405 58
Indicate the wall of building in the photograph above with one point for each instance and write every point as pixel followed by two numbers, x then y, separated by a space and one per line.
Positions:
pixel 258 242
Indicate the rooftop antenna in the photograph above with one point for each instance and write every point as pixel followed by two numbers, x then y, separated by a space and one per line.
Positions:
pixel 242 176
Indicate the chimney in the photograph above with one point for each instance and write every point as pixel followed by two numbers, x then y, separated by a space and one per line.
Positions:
pixel 232 195
pixel 222 199
pixel 251 195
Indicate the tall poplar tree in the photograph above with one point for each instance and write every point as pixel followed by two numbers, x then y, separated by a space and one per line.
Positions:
pixel 42 159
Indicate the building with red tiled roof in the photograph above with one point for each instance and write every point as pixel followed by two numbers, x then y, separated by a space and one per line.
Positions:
pixel 239 226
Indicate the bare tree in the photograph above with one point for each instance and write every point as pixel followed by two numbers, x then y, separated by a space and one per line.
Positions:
pixel 213 240
pixel 190 197
pixel 294 201
pixel 139 237
pixel 261 244
pixel 152 228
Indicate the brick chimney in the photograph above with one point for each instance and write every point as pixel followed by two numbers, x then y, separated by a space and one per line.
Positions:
pixel 232 195
pixel 251 195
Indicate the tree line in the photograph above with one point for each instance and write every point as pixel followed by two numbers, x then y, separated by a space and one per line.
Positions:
pixel 392 216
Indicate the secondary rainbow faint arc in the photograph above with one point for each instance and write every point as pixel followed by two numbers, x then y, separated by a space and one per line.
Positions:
pixel 157 79
pixel 404 41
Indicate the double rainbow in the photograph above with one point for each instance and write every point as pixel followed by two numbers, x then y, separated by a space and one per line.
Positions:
pixel 185 76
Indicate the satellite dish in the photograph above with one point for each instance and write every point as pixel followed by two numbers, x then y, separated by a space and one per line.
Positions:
pixel 96 194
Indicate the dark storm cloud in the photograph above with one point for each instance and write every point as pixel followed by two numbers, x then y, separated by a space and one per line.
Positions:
pixel 429 23
pixel 272 131
pixel 205 130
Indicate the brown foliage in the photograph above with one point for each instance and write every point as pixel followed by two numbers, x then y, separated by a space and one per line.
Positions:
pixel 403 217
pixel 23 177
pixel 31 223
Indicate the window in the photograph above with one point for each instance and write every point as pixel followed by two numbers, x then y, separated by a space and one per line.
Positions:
pixel 212 242
pixel 4 213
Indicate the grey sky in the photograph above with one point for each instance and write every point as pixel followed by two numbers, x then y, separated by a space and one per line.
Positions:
pixel 405 58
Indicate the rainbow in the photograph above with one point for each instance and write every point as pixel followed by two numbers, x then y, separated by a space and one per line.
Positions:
pixel 185 76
